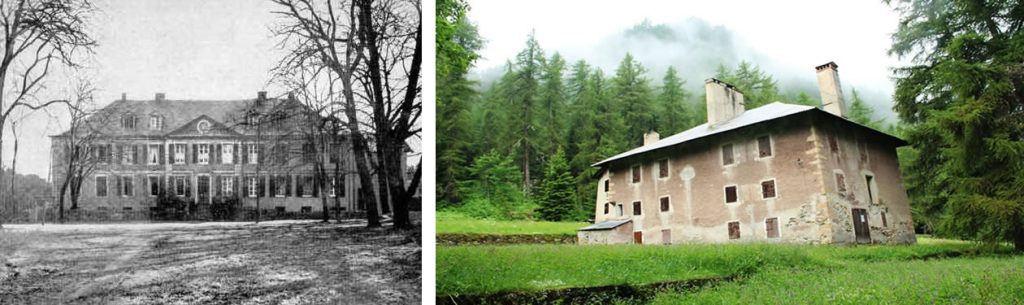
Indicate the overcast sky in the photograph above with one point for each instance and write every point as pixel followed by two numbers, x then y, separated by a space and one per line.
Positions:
pixel 188 49
pixel 793 36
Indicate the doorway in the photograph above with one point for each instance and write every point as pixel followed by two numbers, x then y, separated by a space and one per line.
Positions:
pixel 860 226
pixel 203 189
pixel 638 237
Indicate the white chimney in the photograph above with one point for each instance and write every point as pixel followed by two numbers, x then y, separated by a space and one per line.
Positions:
pixel 650 137
pixel 724 101
pixel 831 90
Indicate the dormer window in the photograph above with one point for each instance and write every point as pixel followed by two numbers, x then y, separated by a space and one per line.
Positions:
pixel 156 122
pixel 128 121
pixel 251 118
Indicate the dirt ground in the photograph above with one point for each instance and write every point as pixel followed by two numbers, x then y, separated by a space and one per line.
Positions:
pixel 287 262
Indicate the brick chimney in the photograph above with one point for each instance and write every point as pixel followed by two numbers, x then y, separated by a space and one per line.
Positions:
pixel 650 137
pixel 261 96
pixel 831 90
pixel 160 96
pixel 124 96
pixel 724 101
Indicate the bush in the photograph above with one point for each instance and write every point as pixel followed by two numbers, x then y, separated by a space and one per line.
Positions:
pixel 225 207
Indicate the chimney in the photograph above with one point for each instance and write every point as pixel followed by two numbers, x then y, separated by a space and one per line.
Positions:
pixel 124 96
pixel 724 101
pixel 831 90
pixel 160 96
pixel 650 137
pixel 261 96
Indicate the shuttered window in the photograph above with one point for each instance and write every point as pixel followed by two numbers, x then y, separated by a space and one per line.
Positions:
pixel 734 230
pixel 771 226
pixel 768 189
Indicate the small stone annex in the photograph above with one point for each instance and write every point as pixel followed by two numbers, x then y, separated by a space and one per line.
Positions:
pixel 200 150
pixel 776 173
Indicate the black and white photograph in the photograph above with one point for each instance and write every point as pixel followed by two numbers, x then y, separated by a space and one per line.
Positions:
pixel 211 152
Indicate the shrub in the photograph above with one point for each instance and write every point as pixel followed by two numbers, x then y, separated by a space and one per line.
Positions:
pixel 225 207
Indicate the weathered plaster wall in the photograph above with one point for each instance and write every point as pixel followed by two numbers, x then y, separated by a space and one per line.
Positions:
pixel 620 235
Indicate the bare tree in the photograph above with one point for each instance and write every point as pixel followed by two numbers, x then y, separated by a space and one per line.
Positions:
pixel 37 33
pixel 76 147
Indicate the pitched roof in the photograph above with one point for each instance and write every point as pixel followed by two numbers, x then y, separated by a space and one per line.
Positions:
pixel 757 115
pixel 175 113
pixel 605 225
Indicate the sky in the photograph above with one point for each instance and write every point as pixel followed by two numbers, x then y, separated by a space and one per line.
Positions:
pixel 187 49
pixel 785 38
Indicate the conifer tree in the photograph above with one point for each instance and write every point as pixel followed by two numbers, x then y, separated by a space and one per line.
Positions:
pixel 558 192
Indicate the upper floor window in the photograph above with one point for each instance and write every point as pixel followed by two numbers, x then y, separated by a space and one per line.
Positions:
pixel 637 208
pixel 768 189
pixel 101 186
pixel 308 153
pixel 128 121
pixel 204 154
pixel 179 153
pixel 154 154
pixel 764 147
pixel 663 168
pixel 606 186
pixel 730 194
pixel 727 155
pixel 252 152
pixel 636 173
pixel 227 153
pixel 841 182
pixel 156 122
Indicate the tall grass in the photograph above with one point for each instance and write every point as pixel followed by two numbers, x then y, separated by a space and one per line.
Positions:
pixel 451 222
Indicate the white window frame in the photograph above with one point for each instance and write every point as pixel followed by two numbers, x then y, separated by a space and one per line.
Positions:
pixel 149 186
pixel 106 185
pixel 227 185
pixel 156 122
pixel 778 227
pixel 775 184
pixel 227 153
pixel 251 186
pixel 253 153
pixel 203 153
pixel 154 154
pixel 771 147
pixel 725 197
pixel 128 154
pixel 179 154
pixel 331 193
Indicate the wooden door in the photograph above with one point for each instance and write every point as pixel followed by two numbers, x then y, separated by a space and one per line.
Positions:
pixel 860 226
pixel 638 237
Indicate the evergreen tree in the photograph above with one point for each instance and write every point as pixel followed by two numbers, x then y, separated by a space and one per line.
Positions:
pixel 523 96
pixel 674 112
pixel 552 106
pixel 962 98
pixel 861 113
pixel 558 191
pixel 758 87
pixel 633 95
pixel 457 42
pixel 494 184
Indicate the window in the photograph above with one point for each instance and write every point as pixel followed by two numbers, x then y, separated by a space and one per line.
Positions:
pixel 841 182
pixel 871 190
pixel 636 173
pixel 127 188
pixel 666 236
pixel 154 185
pixel 885 223
pixel 280 154
pixel 663 168
pixel 727 155
pixel 179 185
pixel 308 153
pixel 156 122
pixel 227 155
pixel 128 121
pixel 281 185
pixel 227 185
pixel 253 153
pixel 832 144
pixel 306 210
pixel 637 208
pixel 101 186
pixel 204 154
pixel 307 186
pixel 730 194
pixel 606 185
pixel 128 154
pixel 127 208
pixel 179 153
pixel 768 189
pixel 734 230
pixel 863 145
pixel 665 204
pixel 771 227
pixel 606 205
pixel 279 209
pixel 619 210
pixel 154 154
pixel 764 147
pixel 334 154
pixel 251 186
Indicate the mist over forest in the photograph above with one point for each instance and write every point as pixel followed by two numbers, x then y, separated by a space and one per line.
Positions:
pixel 696 48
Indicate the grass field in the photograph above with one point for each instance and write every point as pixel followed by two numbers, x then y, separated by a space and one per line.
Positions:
pixel 291 262
pixel 448 222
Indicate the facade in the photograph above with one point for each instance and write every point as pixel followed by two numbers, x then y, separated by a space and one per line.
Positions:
pixel 776 173
pixel 201 150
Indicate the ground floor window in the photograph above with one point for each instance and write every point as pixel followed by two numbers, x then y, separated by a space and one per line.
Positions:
pixel 306 186
pixel 734 230
pixel 307 210
pixel 771 226
pixel 227 184
pixel 251 186
pixel 154 185
pixel 127 187
pixel 180 185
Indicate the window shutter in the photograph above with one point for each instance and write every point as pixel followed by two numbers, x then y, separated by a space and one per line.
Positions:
pixel 217 186
pixel 110 149
pixel 220 154
pixel 288 186
pixel 260 152
pixel 234 154
pixel 235 186
pixel 188 187
pixel 316 188
pixel 245 154
pixel 120 153
pixel 195 153
pixel 118 191
pixel 145 152
pixel 300 185
pixel 163 188
pixel 260 184
pixel 273 186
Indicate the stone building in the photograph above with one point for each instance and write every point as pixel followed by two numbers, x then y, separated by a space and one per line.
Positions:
pixel 201 150
pixel 776 173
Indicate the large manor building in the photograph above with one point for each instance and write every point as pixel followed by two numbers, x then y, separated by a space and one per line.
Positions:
pixel 201 150
pixel 776 173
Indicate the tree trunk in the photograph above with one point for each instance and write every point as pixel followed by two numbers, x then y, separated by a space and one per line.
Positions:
pixel 14 168
pixel 401 219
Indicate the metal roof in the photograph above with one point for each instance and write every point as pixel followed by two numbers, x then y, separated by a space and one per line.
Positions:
pixel 761 114
pixel 607 225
